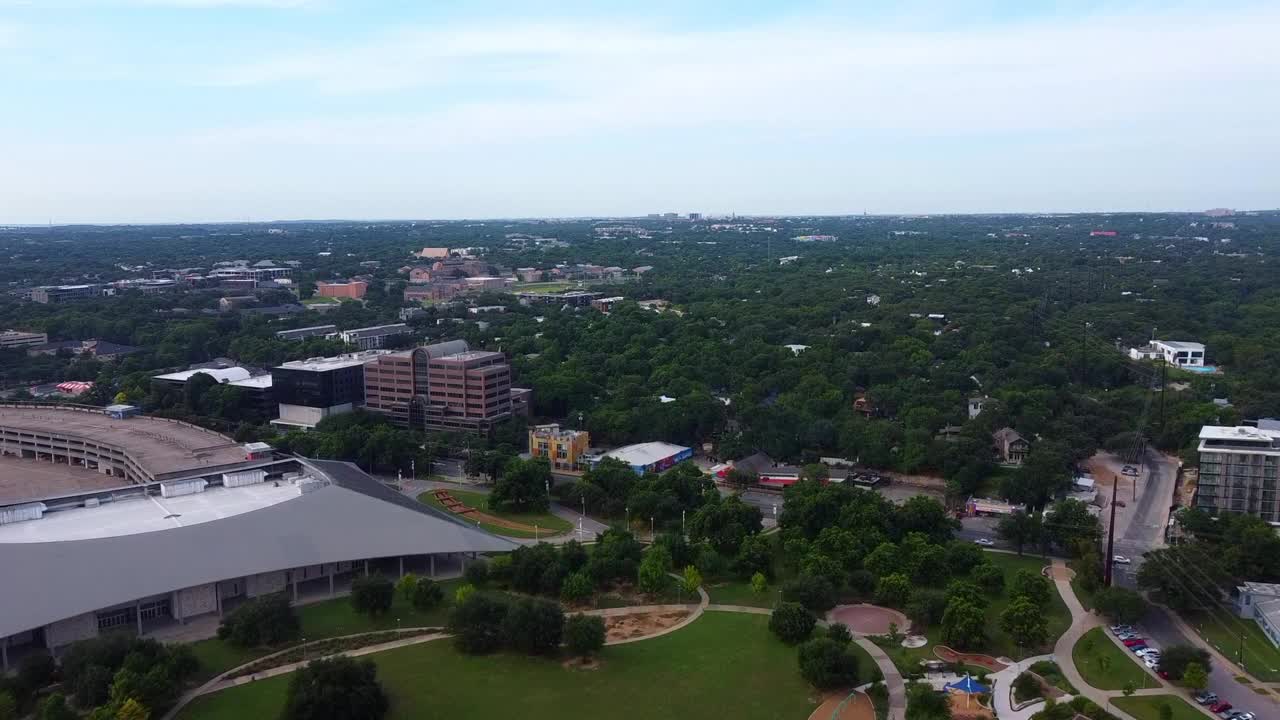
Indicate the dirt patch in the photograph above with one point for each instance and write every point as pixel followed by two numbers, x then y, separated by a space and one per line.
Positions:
pixel 869 619
pixel 458 507
pixel 946 654
pixel 628 627
pixel 581 664
pixel 1055 572
pixel 859 708
pixel 966 707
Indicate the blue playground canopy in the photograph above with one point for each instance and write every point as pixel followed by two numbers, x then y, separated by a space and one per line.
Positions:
pixel 968 685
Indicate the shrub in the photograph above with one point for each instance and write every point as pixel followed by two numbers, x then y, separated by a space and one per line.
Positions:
pixel 711 563
pixel 534 626
pixel 584 634
pixel 839 632
pixel 339 688
pixel 407 586
pixel 678 549
pixel 265 620
pixel 1120 604
pixel 926 607
pixel 1025 687
pixel 692 580
pixel 576 588
pixel 427 594
pixel 372 595
pixel 477 573
pixel 826 664
pixel 653 571
pixel 812 591
pixel 476 622
pixel 463 592
pixel 893 590
pixel 792 623
pixel 1175 659
pixel 92 686
pixel 500 569
pixel 758 583
pixel 55 707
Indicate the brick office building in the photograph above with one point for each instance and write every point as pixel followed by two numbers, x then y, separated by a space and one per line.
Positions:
pixel 468 391
pixel 395 384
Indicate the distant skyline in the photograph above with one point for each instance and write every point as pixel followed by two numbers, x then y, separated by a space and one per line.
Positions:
pixel 155 111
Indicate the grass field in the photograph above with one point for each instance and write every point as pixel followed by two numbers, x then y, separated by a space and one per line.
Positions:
pixel 722 665
pixel 734 592
pixel 1148 707
pixel 1058 617
pixel 1222 631
pixel 326 619
pixel 547 523
pixel 542 287
pixel 1119 668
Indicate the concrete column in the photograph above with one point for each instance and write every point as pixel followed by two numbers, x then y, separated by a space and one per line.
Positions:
pixel 401 566
pixel 217 598
pixel 137 615
pixel 366 568
pixel 293 575
pixel 433 564
pixel 331 581
pixel 4 654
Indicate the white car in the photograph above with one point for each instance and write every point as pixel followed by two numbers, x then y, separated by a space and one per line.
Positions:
pixel 1120 560
pixel 985 542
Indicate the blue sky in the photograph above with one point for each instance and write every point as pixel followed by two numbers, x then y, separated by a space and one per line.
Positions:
pixel 202 110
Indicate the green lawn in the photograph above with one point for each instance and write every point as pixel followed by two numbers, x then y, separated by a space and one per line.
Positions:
pixel 1222 630
pixel 724 664
pixel 547 523
pixel 542 287
pixel 1059 618
pixel 326 619
pixel 1147 707
pixel 1121 667
pixel 731 592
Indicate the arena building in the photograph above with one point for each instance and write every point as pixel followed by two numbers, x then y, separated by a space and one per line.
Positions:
pixel 105 527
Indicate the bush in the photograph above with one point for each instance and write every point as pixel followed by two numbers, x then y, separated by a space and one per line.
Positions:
pixel 372 595
pixel 711 563
pixel 691 580
pixel 37 670
pixel 500 569
pixel 926 607
pixel 678 549
pixel 265 620
pixel 576 588
pixel 55 707
pixel 988 577
pixel 839 632
pixel 477 573
pixel 476 622
pixel 8 706
pixel 584 634
pixel 406 586
pixel 534 626
pixel 653 571
pixel 339 688
pixel 92 686
pixel 759 584
pixel 427 594
pixel 536 569
pixel 812 591
pixel 1121 605
pixel 893 590
pixel 862 582
pixel 1025 687
pixel 1175 659
pixel 792 623
pixel 826 664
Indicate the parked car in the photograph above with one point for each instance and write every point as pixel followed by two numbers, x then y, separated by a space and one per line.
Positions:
pixel 1116 629
pixel 1243 716
pixel 1220 708
pixel 1151 662
pixel 1135 642
pixel 1206 698
pixel 1129 470
pixel 1163 675
pixel 1136 648
pixel 985 542
pixel 1120 560
pixel 1149 652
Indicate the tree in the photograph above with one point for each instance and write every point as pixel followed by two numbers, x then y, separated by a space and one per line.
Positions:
pixel 1121 605
pixel 477 573
pixel 988 577
pixel 812 591
pixel 925 704
pixel 264 620
pixel 962 625
pixel 584 634
pixel 827 664
pixel 407 587
pixel 926 607
pixel 755 555
pixel 338 688
pixel 884 560
pixel 8 706
pixel 1070 524
pixel 576 588
pixel 92 685
pixel 1176 659
pixel 133 710
pixel 1024 620
pixel 653 571
pixel 372 595
pixel 534 626
pixel 758 583
pixel 54 707
pixel 1129 689
pixel 522 487
pixel 792 623
pixel 893 590
pixel 1194 676
pixel 427 594
pixel 1032 586
pixel 725 523
pixel 1020 530
pixel 963 557
pixel 840 633
pixel 923 514
pixel 476 622
pixel 692 580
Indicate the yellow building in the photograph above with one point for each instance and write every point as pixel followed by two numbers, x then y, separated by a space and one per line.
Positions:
pixel 562 448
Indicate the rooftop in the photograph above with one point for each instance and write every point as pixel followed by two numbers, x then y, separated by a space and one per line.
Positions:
pixel 645 453
pixel 322 364
pixel 261 382
pixel 377 330
pixel 1243 432
pixel 1181 345
pixel 160 447
pixel 231 374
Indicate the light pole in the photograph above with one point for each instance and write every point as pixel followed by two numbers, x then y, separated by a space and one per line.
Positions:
pixel 682 522
pixel 627 510
pixel 650 528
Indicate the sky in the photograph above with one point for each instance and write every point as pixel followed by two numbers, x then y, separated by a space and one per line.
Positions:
pixel 232 110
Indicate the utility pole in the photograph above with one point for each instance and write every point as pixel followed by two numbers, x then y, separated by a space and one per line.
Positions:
pixel 1111 535
pixel 1084 361
pixel 1164 374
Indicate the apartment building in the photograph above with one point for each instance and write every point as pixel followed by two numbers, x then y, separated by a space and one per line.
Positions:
pixel 564 449
pixel 53 295
pixel 18 338
pixel 1239 471
pixel 371 338
pixel 468 391
pixel 306 332
pixel 353 290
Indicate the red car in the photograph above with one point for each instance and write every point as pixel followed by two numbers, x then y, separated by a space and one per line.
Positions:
pixel 1163 675
pixel 1220 707
pixel 1134 642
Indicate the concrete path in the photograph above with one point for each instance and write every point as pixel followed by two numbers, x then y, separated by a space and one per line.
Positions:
pixel 1002 695
pixel 892 678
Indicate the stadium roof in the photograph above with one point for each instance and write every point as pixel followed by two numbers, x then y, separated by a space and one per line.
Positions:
pixel 645 453
pixel 231 374
pixel 354 517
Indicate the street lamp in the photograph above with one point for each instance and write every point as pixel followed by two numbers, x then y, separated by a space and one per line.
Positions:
pixel 651 527
pixel 627 510
pixel 682 522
